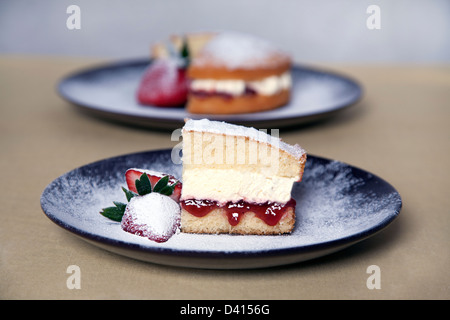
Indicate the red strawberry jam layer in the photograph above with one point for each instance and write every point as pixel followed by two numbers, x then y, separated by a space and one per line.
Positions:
pixel 269 212
pixel 206 94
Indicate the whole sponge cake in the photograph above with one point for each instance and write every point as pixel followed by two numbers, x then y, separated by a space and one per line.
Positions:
pixel 237 179
pixel 238 73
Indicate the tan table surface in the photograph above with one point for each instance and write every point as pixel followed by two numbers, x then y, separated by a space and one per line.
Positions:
pixel 399 131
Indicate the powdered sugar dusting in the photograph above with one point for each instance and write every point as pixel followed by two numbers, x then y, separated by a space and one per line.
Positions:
pixel 153 215
pixel 220 127
pixel 335 202
pixel 237 50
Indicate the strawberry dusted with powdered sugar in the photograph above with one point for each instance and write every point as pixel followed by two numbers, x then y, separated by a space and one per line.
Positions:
pixel 164 84
pixel 154 216
pixel 153 208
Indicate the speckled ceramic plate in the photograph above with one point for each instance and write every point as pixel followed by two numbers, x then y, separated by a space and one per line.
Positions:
pixel 109 92
pixel 337 205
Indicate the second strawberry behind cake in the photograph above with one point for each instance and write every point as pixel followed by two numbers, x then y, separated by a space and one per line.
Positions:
pixel 237 180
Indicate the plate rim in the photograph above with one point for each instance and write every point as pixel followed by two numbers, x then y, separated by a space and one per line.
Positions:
pixel 325 245
pixel 145 120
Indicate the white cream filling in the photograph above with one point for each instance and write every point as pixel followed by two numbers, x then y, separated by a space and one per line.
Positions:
pixel 267 86
pixel 215 184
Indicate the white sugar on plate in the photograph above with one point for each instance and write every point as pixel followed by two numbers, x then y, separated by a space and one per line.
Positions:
pixel 219 127
pixel 238 50
pixel 334 203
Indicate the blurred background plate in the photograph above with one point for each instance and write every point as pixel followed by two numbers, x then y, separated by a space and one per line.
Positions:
pixel 109 91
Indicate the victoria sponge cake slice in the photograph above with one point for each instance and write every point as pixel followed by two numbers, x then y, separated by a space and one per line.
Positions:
pixel 237 179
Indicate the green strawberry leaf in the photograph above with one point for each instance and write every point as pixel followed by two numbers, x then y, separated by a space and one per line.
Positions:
pixel 143 185
pixel 185 48
pixel 129 194
pixel 161 184
pixel 185 54
pixel 167 190
pixel 114 213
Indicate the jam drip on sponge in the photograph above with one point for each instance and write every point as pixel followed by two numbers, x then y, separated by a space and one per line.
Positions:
pixel 269 212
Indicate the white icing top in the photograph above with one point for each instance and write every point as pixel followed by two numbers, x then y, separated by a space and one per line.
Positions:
pixel 236 50
pixel 205 125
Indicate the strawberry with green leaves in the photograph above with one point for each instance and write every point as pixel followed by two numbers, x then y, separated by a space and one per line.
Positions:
pixel 164 83
pixel 171 186
pixel 141 182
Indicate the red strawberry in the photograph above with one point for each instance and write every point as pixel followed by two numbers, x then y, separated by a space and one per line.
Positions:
pixel 131 175
pixel 164 84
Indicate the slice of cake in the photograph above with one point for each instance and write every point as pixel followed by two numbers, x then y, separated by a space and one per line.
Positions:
pixel 237 179
pixel 238 73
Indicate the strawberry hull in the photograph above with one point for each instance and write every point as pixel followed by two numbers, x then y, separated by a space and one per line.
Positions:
pixel 131 175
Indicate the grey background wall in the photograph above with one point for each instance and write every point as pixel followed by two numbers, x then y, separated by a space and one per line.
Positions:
pixel 412 31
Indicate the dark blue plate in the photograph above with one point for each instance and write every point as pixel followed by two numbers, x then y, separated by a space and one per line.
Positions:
pixel 109 92
pixel 337 205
